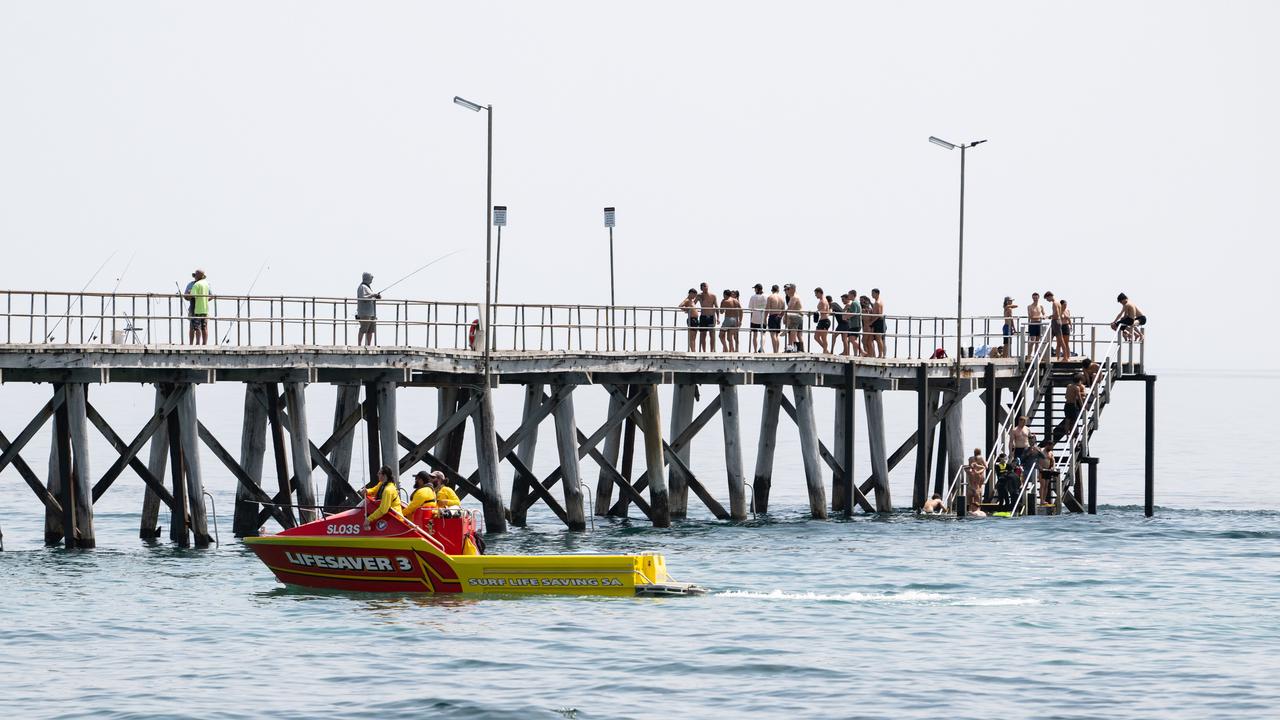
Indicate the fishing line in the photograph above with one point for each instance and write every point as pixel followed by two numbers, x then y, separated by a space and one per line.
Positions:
pixel 252 285
pixel 94 335
pixel 80 297
pixel 415 272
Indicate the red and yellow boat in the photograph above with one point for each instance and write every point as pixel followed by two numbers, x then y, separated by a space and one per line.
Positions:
pixel 437 551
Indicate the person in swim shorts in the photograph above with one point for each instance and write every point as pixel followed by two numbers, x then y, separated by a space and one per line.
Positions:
pixel 1130 318
pixel 755 304
pixel 822 318
pixel 774 307
pixel 690 308
pixel 732 309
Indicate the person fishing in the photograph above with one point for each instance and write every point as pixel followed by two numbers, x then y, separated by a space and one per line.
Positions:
pixel 445 496
pixel 367 311
pixel 387 492
pixel 424 495
pixel 197 296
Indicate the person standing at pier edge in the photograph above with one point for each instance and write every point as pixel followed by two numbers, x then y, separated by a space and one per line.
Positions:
pixel 756 304
pixel 198 293
pixel 1010 325
pixel 853 309
pixel 367 311
pixel 1130 318
pixel 732 308
pixel 707 320
pixel 1020 439
pixel 1035 315
pixel 1064 331
pixel 822 316
pixel 879 325
pixel 774 305
pixel 842 322
pixel 690 307
pixel 1055 326
pixel 795 319
pixel 868 327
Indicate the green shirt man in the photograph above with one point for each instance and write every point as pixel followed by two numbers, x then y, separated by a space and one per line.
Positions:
pixel 200 294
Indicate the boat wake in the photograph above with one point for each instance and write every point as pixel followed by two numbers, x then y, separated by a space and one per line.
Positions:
pixel 909 596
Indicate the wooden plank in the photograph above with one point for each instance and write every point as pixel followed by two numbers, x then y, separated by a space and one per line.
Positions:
pixel 244 478
pixel 28 432
pixel 130 452
pixel 32 480
pixel 766 444
pixel 567 449
pixel 733 452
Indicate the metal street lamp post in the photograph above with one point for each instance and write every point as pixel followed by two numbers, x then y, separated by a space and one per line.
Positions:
pixel 961 502
pixel 488 229
pixel 610 219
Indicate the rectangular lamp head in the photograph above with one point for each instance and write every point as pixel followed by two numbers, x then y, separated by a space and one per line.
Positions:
pixel 609 217
pixel 942 143
pixel 499 215
pixel 466 104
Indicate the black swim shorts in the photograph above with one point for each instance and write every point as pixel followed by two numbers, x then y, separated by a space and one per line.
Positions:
pixel 878 326
pixel 707 321
pixel 824 324
pixel 775 322
pixel 1033 330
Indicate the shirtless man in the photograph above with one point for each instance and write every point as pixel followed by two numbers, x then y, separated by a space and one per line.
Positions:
pixel 707 320
pixel 795 319
pixel 1035 315
pixel 756 304
pixel 976 469
pixel 868 326
pixel 690 307
pixel 878 324
pixel 823 316
pixel 934 506
pixel 1130 318
pixel 732 309
pixel 1064 332
pixel 773 307
pixel 1020 439
pixel 1010 325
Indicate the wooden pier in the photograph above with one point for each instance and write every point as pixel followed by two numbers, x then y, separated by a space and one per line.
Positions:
pixel 313 467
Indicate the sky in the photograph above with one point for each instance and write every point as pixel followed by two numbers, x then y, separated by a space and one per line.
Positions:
pixel 1129 150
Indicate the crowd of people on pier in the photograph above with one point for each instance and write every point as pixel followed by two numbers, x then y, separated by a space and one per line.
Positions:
pixel 855 325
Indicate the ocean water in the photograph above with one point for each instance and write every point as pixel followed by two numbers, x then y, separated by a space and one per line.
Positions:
pixel 1113 615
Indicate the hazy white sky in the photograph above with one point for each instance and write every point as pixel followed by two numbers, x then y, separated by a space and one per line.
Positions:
pixel 1130 149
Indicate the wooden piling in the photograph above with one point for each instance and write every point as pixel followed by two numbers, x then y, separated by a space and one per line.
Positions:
pixel 178 511
pixel 924 432
pixel 148 528
pixel 612 444
pixel 1149 449
pixel 520 484
pixel 79 435
pixel 659 500
pixel 373 443
pixel 682 402
pixel 567 449
pixel 874 402
pixel 346 401
pixel 495 513
pixel 839 434
pixel 280 453
pixel 388 433
pixel 733 451
pixel 767 443
pixel 188 423
pixel 953 433
pixel 295 394
pixel 253 449
pixel 66 485
pixel 1093 485
pixel 850 390
pixel 628 452
pixel 992 399
pixel 808 428
pixel 452 454
pixel 53 521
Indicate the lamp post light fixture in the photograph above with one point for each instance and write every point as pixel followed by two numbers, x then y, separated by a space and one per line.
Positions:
pixel 961 502
pixel 488 229
pixel 499 221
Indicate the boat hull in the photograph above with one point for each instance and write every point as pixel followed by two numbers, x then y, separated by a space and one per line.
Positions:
pixel 414 565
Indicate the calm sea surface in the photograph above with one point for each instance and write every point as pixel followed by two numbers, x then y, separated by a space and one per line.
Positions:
pixel 1112 615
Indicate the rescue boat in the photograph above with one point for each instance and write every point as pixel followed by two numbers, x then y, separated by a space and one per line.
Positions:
pixel 438 551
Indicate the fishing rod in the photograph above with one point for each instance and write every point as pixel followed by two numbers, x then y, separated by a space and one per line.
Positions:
pixel 252 285
pixel 415 272
pixel 80 297
pixel 94 335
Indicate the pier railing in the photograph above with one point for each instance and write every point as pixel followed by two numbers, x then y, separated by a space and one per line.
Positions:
pixel 46 317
